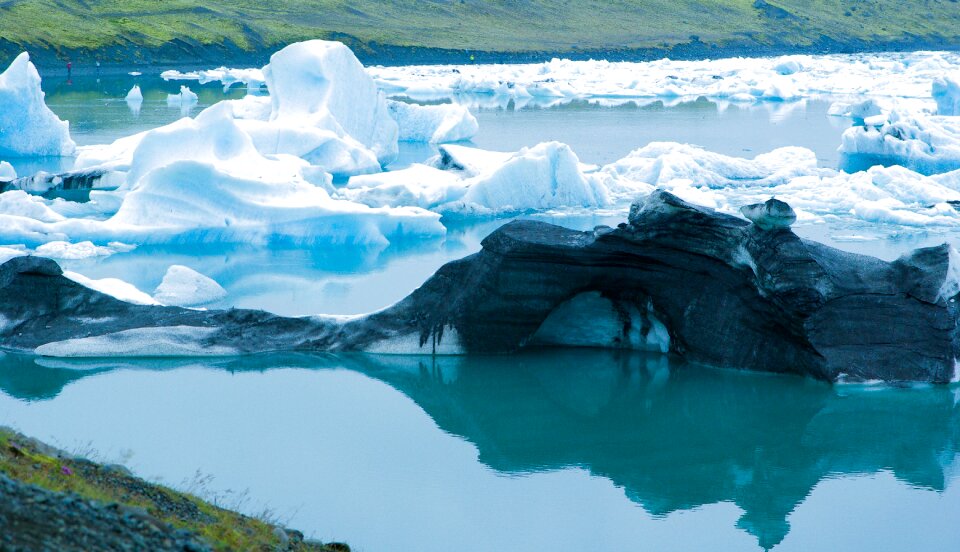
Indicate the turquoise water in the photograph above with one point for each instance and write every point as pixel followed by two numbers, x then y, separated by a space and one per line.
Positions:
pixel 557 450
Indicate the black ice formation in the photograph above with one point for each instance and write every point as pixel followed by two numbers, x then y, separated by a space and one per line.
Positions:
pixel 711 288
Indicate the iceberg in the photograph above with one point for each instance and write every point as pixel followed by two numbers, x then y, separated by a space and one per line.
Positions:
pixel 27 126
pixel 134 99
pixel 928 144
pixel 252 78
pixel 901 75
pixel 184 287
pixel 185 99
pixel 7 172
pixel 946 92
pixel 546 176
pixel 134 95
pixel 435 124
pixel 321 84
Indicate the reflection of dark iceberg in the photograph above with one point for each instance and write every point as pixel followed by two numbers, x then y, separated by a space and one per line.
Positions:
pixel 679 438
pixel 674 436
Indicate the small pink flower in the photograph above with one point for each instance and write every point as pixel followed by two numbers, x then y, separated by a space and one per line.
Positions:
pixel 65 470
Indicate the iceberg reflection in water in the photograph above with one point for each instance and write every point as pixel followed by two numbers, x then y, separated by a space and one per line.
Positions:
pixel 582 436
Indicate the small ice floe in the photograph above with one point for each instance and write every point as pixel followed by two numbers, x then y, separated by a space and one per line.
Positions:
pixel 184 287
pixel 436 124
pixel 134 99
pixel 185 100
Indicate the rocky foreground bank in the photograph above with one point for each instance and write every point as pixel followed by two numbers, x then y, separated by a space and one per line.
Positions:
pixel 52 501
pixel 677 278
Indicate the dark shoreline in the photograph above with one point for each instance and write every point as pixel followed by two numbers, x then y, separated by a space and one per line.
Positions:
pixel 185 55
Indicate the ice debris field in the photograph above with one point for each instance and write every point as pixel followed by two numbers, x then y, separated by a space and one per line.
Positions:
pixel 300 160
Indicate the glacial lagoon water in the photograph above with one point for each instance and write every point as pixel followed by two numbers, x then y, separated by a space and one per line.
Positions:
pixel 556 450
pixel 549 450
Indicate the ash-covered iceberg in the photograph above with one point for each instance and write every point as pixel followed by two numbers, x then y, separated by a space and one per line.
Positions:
pixel 27 126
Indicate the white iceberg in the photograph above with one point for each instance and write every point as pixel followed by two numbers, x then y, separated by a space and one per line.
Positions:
pixel 546 176
pixel 185 99
pixel 252 78
pixel 134 95
pixel 436 124
pixel 7 172
pixel 113 287
pixel 27 126
pixel 660 163
pixel 926 144
pixel 321 84
pixel 184 287
pixel 946 92
pixel 134 99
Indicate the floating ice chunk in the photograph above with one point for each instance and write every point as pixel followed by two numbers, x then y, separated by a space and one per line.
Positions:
pixel 252 78
pixel 113 287
pixel 321 84
pixel 660 163
pixel 946 92
pixel 7 172
pixel 134 95
pixel 164 341
pixel 926 144
pixel 858 110
pixel 435 124
pixel 741 79
pixel 134 99
pixel 546 176
pixel 27 126
pixel 184 287
pixel 185 99
pixel 73 251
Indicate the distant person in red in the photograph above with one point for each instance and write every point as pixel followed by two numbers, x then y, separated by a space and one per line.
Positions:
pixel 69 69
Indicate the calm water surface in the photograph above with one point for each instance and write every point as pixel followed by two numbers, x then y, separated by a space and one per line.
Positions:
pixel 566 450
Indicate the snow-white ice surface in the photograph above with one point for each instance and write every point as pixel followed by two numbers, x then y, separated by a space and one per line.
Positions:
pixel 546 176
pixel 928 144
pixel 321 84
pixel 946 92
pixel 134 99
pixel 113 287
pixel 251 78
pixel 184 287
pixel 165 341
pixel 203 180
pixel 27 126
pixel 134 95
pixel 7 172
pixel 435 124
pixel 906 75
pixel 185 98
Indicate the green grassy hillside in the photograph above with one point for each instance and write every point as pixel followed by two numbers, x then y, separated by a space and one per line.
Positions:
pixel 125 30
